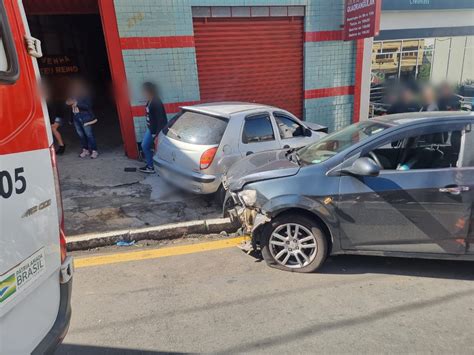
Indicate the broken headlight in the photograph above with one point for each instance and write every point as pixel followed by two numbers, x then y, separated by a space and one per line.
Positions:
pixel 248 197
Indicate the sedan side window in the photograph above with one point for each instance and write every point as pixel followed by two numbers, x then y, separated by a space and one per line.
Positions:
pixel 8 60
pixel 427 151
pixel 258 128
pixel 288 128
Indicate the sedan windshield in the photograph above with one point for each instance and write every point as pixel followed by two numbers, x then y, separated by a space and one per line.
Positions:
pixel 338 141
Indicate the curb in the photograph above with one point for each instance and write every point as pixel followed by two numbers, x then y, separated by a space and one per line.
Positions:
pixel 166 231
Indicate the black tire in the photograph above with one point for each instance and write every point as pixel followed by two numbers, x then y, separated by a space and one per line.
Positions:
pixel 227 205
pixel 219 195
pixel 309 224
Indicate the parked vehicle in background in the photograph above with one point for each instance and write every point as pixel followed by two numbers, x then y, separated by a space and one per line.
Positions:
pixel 203 141
pixel 401 185
pixel 35 272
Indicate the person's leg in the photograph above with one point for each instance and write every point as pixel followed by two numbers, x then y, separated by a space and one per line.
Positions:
pixel 147 143
pixel 82 136
pixel 91 141
pixel 57 134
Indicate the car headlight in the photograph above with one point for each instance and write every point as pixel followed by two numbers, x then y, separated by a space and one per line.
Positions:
pixel 248 197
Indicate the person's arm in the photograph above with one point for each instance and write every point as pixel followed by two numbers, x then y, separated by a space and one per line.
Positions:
pixel 161 115
pixel 84 104
pixel 153 118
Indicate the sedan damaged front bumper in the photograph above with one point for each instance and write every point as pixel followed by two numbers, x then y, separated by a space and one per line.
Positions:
pixel 250 219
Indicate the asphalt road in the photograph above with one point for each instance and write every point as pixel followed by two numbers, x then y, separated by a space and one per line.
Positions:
pixel 224 301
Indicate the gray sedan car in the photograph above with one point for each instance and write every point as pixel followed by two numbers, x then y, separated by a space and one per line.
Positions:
pixel 203 141
pixel 400 185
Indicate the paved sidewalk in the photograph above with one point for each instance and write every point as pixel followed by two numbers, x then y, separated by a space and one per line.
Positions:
pixel 99 196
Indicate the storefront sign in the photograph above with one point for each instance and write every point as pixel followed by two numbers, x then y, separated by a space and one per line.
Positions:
pixel 427 4
pixel 362 19
pixel 57 65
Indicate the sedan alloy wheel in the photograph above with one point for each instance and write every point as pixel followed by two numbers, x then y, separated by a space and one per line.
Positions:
pixel 293 245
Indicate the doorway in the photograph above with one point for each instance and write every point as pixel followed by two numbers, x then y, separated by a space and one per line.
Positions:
pixel 73 46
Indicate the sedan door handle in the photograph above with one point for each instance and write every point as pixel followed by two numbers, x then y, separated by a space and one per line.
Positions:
pixel 454 190
pixel 286 146
pixel 248 153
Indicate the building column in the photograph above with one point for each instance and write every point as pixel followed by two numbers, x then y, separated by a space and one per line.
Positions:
pixel 366 69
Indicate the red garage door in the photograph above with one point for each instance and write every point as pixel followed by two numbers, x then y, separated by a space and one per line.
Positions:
pixel 251 59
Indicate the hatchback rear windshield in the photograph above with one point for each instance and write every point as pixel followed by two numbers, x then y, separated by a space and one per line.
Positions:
pixel 196 128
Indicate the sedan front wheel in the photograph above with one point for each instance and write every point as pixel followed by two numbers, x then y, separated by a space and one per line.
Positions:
pixel 294 243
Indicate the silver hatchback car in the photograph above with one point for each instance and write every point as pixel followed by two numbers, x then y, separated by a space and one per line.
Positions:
pixel 201 142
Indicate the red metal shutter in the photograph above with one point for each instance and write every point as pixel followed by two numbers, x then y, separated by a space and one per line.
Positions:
pixel 251 59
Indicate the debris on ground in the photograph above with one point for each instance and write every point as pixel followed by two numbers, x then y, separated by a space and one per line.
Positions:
pixel 122 243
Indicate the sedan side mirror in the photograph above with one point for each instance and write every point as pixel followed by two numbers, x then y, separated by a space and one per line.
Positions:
pixel 362 167
pixel 307 132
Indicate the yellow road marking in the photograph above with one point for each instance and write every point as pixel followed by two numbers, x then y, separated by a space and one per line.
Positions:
pixel 156 253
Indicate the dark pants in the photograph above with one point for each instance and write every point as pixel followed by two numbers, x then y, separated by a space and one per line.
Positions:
pixel 85 133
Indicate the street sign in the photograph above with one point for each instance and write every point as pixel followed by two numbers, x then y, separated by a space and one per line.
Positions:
pixel 362 19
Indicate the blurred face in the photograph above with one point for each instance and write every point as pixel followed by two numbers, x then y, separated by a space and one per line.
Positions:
pixel 45 91
pixel 147 94
pixel 428 95
pixel 76 88
pixel 445 90
pixel 407 96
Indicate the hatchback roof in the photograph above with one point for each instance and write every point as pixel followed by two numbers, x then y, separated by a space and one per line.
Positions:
pixel 225 109
pixel 407 118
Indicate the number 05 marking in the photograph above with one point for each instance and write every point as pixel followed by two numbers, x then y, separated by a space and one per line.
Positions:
pixel 8 184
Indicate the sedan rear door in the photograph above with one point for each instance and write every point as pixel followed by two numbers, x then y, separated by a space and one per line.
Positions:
pixel 423 207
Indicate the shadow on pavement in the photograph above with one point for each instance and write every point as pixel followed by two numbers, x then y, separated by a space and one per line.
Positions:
pixel 369 318
pixel 72 349
pixel 441 269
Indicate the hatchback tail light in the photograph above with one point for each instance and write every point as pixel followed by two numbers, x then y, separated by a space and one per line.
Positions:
pixel 207 157
pixel 59 203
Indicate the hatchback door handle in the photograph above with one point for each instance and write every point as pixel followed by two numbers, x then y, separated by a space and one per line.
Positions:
pixel 286 146
pixel 454 190
pixel 248 153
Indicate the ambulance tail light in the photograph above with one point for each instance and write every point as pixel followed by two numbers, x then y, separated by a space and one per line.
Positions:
pixel 207 157
pixel 59 203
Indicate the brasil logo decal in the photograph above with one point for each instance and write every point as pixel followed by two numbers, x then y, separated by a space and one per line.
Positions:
pixel 7 287
pixel 16 280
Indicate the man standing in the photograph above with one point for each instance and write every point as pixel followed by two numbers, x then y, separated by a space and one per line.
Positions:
pixel 156 120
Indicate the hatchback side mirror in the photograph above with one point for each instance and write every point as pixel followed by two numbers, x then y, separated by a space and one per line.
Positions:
pixel 362 167
pixel 307 132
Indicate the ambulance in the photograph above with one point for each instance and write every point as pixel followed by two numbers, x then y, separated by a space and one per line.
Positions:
pixel 35 272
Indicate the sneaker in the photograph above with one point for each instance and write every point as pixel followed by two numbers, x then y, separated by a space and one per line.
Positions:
pixel 85 153
pixel 147 170
pixel 61 149
pixel 94 154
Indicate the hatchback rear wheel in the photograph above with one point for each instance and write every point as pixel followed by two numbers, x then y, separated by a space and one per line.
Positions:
pixel 294 243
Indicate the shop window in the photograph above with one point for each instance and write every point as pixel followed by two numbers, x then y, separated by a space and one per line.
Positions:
pixel 436 59
pixel 8 60
pixel 258 129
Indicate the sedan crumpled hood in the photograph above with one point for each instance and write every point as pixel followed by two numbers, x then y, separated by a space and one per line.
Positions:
pixel 260 166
